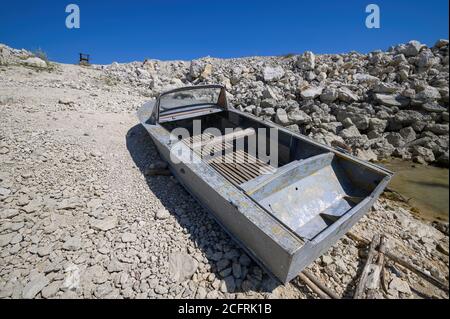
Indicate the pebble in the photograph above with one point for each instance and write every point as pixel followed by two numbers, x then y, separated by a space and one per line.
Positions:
pixel 128 237
pixel 73 243
pixel 162 214
pixel 75 205
pixel 105 224
pixel 34 286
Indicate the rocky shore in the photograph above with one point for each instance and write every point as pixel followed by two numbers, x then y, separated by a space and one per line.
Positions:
pixel 79 218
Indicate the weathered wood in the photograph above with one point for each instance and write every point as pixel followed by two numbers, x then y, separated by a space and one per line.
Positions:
pixel 319 284
pixel 381 262
pixel 401 261
pixel 313 286
pixel 357 238
pixel 224 138
pixel 361 287
pixel 378 274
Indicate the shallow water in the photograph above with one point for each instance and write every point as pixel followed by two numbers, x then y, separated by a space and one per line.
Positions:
pixel 426 186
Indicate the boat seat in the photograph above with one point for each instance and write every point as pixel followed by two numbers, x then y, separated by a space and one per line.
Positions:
pixel 306 196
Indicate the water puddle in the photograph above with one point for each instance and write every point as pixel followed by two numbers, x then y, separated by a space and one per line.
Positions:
pixel 426 187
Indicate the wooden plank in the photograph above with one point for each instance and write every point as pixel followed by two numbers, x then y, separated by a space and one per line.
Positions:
pixel 313 286
pixel 401 261
pixel 361 288
pixel 320 284
pixel 226 137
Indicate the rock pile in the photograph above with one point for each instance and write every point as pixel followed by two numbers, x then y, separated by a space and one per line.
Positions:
pixel 80 218
pixel 380 104
pixel 10 56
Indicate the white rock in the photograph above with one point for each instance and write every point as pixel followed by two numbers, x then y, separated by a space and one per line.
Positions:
pixel 412 48
pixel 273 74
pixel 281 117
pixel 72 279
pixel 181 266
pixel 346 95
pixel 72 243
pixel 36 62
pixel 311 92
pixel 306 61
pixel 391 99
pixel 367 155
pixel 128 237
pixel 33 287
pixel 4 191
pixel 162 214
pixel 366 78
pixel 348 132
pixel 6 239
pixel 104 224
pixel 399 285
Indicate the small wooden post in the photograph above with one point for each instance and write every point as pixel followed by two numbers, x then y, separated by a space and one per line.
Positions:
pixel 368 268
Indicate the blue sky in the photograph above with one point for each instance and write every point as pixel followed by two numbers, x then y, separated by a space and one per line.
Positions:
pixel 132 30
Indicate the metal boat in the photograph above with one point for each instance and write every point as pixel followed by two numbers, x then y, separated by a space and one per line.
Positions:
pixel 285 207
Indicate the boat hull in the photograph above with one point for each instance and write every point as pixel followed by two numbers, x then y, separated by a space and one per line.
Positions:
pixel 286 220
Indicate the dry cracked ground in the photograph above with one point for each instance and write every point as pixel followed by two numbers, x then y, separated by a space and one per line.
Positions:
pixel 79 218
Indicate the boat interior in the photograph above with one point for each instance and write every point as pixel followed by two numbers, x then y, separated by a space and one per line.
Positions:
pixel 307 188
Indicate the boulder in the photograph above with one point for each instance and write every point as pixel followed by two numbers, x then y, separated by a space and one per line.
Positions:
pixel 395 139
pixel 36 62
pixel 299 117
pixel 438 129
pixel 272 74
pixel 281 117
pixel 5 55
pixel 366 155
pixel 386 88
pixel 306 61
pixel 426 60
pixel 412 48
pixel 349 132
pixel 377 125
pixel 268 103
pixel 422 154
pixel 408 134
pixel 329 95
pixel 199 69
pixel 366 79
pixel 428 95
pixel 311 92
pixel 434 108
pixel 391 99
pixel 345 95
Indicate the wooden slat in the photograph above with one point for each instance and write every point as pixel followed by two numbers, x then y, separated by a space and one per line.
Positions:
pixel 225 138
pixel 237 166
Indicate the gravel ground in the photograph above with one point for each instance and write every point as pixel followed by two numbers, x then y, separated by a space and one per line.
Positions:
pixel 80 219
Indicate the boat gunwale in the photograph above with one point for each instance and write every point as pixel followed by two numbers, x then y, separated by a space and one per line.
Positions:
pixel 385 173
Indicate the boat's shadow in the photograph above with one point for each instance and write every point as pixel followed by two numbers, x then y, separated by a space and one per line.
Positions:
pixel 195 219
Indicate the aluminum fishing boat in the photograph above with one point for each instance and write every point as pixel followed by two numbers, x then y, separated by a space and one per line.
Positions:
pixel 282 196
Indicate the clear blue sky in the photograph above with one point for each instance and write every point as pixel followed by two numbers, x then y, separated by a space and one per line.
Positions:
pixel 131 30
